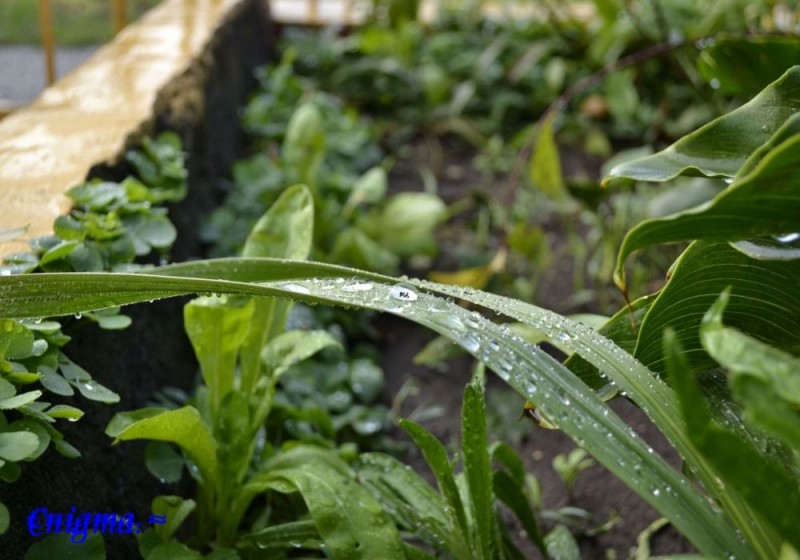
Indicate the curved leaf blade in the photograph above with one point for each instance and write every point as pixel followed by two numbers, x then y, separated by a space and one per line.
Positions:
pixel 531 372
pixel 721 147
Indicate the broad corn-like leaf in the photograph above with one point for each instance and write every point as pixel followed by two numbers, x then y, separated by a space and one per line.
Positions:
pixel 748 64
pixel 722 146
pixel 770 489
pixel 764 201
pixel 535 375
pixel 764 302
pixel 764 379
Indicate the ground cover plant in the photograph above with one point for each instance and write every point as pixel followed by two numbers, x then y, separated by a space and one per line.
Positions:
pixel 710 358
pixel 110 225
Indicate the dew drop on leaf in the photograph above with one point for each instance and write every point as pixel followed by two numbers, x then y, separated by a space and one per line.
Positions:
pixel 401 292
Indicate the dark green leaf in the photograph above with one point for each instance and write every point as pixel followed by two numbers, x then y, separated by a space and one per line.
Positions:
pixel 64 545
pixel 163 462
pixel 721 147
pixel 748 64
pixel 769 489
pixel 763 302
pixel 350 521
pixel 293 347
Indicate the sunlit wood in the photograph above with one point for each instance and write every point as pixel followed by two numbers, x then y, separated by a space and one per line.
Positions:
pixel 118 8
pixel 46 27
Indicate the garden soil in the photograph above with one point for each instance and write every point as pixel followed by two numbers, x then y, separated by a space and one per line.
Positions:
pixel 596 491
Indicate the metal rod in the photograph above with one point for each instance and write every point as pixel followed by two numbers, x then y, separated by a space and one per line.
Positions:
pixel 46 28
pixel 120 19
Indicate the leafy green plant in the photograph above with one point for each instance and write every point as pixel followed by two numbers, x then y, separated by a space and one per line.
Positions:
pixel 464 519
pixel 754 510
pixel 109 225
pixel 316 140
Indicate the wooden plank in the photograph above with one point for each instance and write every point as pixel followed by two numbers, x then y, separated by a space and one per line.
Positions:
pixel 88 117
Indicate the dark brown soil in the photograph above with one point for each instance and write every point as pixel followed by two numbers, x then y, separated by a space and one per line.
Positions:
pixel 597 491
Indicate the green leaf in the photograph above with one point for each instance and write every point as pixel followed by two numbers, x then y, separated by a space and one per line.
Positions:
pixel 286 230
pixel 20 400
pixel 93 390
pixel 477 468
pixel 163 462
pixel 16 341
pixel 183 427
pixel 217 327
pixel 148 231
pixel 285 535
pixel 739 65
pixel 370 187
pixel 545 164
pixel 18 446
pixel 763 201
pixel 350 521
pixel 304 145
pixel 763 378
pixel 5 518
pixel 436 456
pixel 32 427
pixel 769 489
pixel 65 545
pixel 763 302
pixel 356 248
pixel 512 494
pixel 173 550
pixel 175 509
pixel 561 545
pixel 65 411
pixel 293 347
pixel 407 223
pixel 721 147
pixel 366 380
pixel 412 502
pixel 536 376
pixel 623 330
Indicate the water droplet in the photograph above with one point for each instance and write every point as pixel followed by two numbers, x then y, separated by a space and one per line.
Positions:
pixel 714 83
pixel 402 292
pixel 78 315
pixel 357 287
pixel 296 288
pixel 564 336
pixel 470 343
pixel 765 128
pixel 787 237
